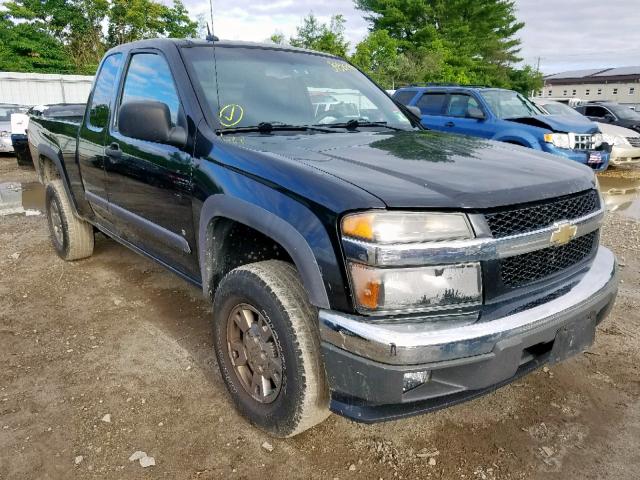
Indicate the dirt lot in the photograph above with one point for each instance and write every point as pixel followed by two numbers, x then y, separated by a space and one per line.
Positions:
pixel 117 335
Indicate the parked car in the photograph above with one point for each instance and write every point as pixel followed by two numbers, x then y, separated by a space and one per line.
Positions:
pixel 5 126
pixel 506 116
pixel 625 142
pixel 362 266
pixel 610 112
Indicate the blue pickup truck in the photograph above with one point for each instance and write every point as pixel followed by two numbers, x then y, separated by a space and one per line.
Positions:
pixel 506 116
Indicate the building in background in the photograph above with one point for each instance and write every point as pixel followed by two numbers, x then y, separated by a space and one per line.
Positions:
pixel 41 89
pixel 621 85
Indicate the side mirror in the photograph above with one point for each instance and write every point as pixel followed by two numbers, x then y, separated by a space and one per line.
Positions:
pixel 415 110
pixel 609 118
pixel 151 121
pixel 476 113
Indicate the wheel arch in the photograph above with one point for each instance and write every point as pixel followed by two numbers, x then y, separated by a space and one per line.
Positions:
pixel 48 160
pixel 218 208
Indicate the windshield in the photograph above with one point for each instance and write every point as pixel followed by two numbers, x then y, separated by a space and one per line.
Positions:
pixel 625 113
pixel 258 85
pixel 560 109
pixel 5 113
pixel 508 104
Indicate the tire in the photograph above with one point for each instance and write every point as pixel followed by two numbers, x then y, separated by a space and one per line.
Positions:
pixel 273 290
pixel 72 238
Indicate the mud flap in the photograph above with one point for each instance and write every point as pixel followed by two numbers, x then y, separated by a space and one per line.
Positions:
pixel 573 338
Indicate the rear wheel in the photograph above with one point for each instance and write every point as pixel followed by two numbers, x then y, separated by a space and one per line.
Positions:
pixel 71 237
pixel 268 348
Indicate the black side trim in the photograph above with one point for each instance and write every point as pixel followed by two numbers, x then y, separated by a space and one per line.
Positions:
pixel 144 253
pixel 172 239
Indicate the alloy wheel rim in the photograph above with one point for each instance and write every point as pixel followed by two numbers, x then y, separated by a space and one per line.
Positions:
pixel 56 222
pixel 254 353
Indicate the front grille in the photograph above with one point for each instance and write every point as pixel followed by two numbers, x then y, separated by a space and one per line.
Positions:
pixel 535 217
pixel 634 141
pixel 522 269
pixel 583 142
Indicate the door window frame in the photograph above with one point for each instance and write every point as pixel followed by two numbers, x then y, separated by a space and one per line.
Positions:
pixel 113 124
pixel 116 87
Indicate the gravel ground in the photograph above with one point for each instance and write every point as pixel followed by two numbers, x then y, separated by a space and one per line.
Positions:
pixel 112 355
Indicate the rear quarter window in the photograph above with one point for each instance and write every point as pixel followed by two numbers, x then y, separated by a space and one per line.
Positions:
pixel 405 97
pixel 431 103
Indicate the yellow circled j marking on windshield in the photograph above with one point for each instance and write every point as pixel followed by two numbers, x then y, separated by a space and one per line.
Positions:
pixel 231 115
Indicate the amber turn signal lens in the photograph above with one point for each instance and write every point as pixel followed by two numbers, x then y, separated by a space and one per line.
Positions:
pixel 367 286
pixel 358 226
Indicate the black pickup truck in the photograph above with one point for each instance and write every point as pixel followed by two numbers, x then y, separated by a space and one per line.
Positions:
pixel 356 262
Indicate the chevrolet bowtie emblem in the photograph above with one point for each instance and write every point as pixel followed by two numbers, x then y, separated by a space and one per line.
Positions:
pixel 564 233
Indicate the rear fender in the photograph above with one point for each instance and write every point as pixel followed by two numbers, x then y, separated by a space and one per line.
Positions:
pixel 47 153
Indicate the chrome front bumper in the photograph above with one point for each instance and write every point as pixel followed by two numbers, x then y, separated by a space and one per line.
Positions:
pixel 414 343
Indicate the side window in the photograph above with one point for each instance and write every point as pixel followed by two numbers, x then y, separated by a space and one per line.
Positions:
pixel 103 92
pixel 149 78
pixel 595 112
pixel 459 105
pixel 405 97
pixel 431 103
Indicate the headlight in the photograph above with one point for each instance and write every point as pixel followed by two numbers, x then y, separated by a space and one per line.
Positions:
pixel 406 227
pixel 389 290
pixel 410 289
pixel 560 140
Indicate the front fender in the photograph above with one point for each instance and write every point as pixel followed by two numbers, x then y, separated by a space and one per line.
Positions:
pixel 518 137
pixel 274 227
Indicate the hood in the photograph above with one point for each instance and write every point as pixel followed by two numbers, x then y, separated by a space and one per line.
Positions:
pixel 559 123
pixel 430 169
pixel 610 129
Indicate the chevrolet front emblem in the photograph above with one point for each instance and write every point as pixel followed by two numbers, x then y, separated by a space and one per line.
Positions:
pixel 564 234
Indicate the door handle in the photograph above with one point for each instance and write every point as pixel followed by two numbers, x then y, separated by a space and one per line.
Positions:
pixel 113 151
pixel 449 124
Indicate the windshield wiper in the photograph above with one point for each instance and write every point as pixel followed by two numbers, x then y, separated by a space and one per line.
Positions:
pixel 268 127
pixel 354 124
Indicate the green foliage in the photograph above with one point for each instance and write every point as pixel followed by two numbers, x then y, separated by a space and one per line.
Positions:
pixel 322 37
pixel 461 41
pixel 66 36
pixel 277 38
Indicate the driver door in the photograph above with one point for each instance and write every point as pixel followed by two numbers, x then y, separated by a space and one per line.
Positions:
pixel 150 184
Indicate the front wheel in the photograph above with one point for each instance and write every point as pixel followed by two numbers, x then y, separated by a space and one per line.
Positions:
pixel 268 348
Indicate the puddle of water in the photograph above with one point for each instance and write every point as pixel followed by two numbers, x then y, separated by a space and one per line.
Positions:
pixel 621 192
pixel 21 199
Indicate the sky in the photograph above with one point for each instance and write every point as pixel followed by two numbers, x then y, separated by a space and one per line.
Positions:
pixel 564 34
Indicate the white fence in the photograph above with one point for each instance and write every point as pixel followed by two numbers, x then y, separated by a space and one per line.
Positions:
pixel 42 89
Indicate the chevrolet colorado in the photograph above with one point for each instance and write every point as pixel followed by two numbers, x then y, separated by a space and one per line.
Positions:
pixel 356 262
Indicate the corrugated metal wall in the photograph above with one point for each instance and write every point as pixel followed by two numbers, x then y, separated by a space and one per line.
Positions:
pixel 41 89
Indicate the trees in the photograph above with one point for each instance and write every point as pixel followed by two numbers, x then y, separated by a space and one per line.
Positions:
pixel 464 41
pixel 68 36
pixel 320 36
